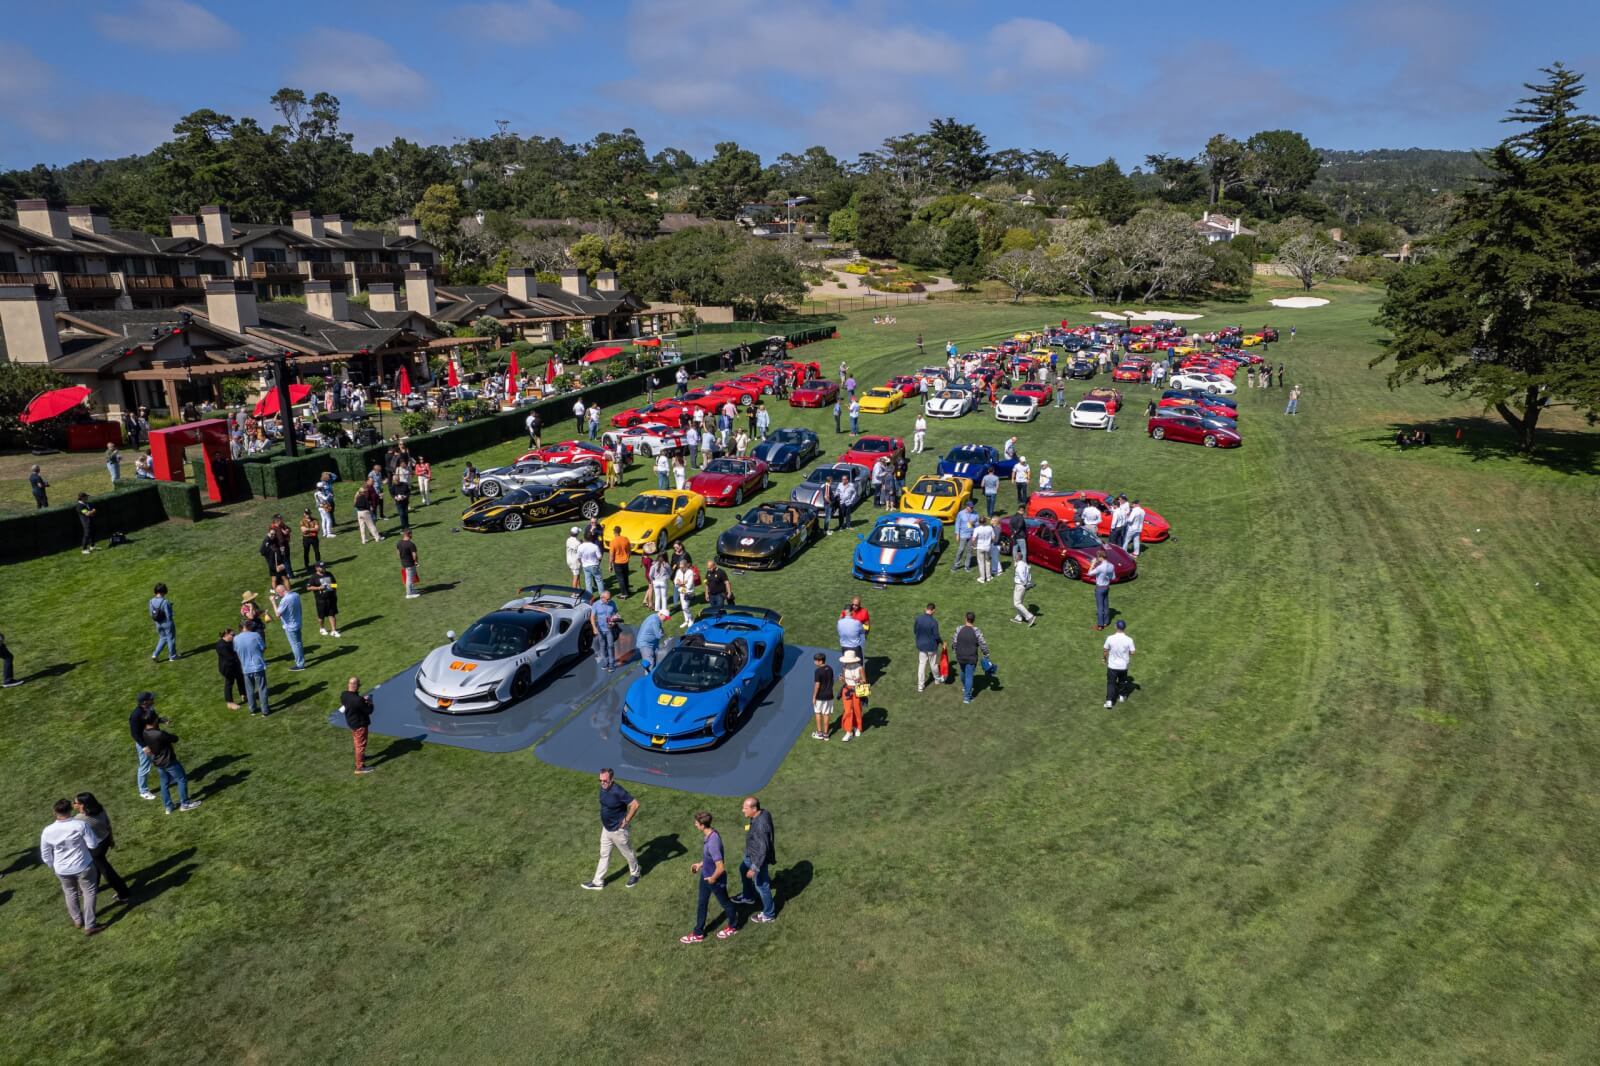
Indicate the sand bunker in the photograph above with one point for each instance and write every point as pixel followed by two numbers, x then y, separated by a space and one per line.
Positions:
pixel 1299 301
pixel 1146 316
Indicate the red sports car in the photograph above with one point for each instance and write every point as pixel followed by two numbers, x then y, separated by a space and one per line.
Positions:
pixel 1110 397
pixel 1067 505
pixel 570 453
pixel 801 372
pixel 709 399
pixel 1068 550
pixel 1191 430
pixel 818 392
pixel 669 412
pixel 743 391
pixel 726 482
pixel 1034 389
pixel 1132 370
pixel 908 384
pixel 869 449
pixel 1216 410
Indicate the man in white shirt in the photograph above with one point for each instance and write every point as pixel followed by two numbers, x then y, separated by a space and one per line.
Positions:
pixel 1117 653
pixel 663 471
pixel 574 542
pixel 919 433
pixel 1021 582
pixel 847 502
pixel 982 541
pixel 1119 521
pixel 1091 517
pixel 1135 528
pixel 64 847
pixel 589 561
pixel 1047 477
pixel 1020 474
pixel 578 411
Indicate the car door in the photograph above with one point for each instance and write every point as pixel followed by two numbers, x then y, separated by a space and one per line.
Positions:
pixel 544 503
pixel 680 509
pixel 1185 429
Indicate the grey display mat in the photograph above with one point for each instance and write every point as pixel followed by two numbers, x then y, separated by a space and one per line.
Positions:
pixel 743 763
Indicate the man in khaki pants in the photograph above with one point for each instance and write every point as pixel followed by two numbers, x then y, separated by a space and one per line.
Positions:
pixel 617 809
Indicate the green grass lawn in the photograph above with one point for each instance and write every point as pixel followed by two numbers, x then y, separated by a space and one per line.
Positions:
pixel 1349 816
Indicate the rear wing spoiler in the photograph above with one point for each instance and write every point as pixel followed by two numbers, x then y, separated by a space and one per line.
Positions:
pixel 565 593
pixel 760 613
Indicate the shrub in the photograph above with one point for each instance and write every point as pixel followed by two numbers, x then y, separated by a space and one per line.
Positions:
pixel 592 375
pixel 415 423
pixel 856 268
pixel 316 382
pixel 1370 268
pixel 466 410
pixel 233 391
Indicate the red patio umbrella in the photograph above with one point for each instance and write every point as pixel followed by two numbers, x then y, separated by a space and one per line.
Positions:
pixel 405 383
pixel 511 379
pixel 454 379
pixel 648 342
pixel 600 355
pixel 53 403
pixel 549 371
pixel 268 404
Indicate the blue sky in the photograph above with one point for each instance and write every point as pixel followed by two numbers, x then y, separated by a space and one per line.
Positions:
pixel 101 79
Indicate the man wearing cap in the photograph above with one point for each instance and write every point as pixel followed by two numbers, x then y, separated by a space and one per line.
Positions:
pixel 144 714
pixel 1116 654
pixel 1019 477
pixel 649 637
pixel 574 542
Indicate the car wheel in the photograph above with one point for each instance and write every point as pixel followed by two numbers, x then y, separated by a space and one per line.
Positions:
pixel 1047 513
pixel 522 684
pixel 513 522
pixel 590 509
pixel 1158 433
pixel 766 482
pixel 745 399
pixel 661 544
pixel 585 639
pixel 738 496
pixel 1210 441
pixel 490 489
pixel 1071 570
pixel 700 519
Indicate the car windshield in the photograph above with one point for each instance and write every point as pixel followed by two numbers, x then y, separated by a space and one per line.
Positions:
pixel 786 436
pixel 693 669
pixel 725 466
pixel 500 637
pixel 1020 401
pixel 952 394
pixel 967 455
pixel 1078 537
pixel 933 487
pixel 650 505
pixel 527 495
pixel 893 536
pixel 822 473
pixel 769 516
pixel 881 392
pixel 1092 406
pixel 869 445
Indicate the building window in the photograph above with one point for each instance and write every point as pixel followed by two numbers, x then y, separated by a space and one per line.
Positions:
pixel 8 263
pixel 215 267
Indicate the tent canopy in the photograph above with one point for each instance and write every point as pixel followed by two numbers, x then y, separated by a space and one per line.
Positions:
pixel 600 355
pixel 268 404
pixel 48 405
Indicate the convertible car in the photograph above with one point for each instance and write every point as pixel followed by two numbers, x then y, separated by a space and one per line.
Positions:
pixel 708 683
pixel 502 479
pixel 726 482
pixel 1203 404
pixel 769 535
pixel 1083 369
pixel 1067 505
pixel 881 400
pixel 1219 405
pixel 1214 421
pixel 949 403
pixel 1191 430
pixel 1068 550
pixel 818 392
pixel 533 504
pixel 972 461
pixel 1016 407
pixel 1112 398
pixel 655 518
pixel 788 449
pixel 936 496
pixel 498 658
pixel 1132 370
pixel 901 549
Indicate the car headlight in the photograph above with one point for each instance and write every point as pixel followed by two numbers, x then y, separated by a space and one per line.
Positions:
pixel 727 490
pixel 647 534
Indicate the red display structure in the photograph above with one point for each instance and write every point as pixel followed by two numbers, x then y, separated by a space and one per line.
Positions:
pixel 167 446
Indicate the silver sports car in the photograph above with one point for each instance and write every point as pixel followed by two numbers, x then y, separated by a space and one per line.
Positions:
pixel 500 656
pixel 503 479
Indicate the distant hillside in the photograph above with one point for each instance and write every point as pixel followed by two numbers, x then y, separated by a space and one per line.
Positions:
pixel 1438 168
pixel 1411 187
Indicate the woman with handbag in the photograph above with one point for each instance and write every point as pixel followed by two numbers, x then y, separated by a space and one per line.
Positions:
pixel 854 686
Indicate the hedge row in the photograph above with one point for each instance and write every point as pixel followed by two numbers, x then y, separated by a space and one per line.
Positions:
pixel 126 507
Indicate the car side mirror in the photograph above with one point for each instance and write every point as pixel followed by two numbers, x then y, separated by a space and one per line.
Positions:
pixel 861 536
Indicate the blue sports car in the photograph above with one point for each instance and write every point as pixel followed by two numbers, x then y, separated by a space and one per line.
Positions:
pixel 708 683
pixel 902 548
pixel 787 449
pixel 975 460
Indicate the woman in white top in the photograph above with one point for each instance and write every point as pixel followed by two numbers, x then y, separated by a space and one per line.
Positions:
pixel 684 581
pixel 680 473
pixel 660 583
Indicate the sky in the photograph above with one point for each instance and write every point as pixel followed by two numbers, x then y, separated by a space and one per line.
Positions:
pixel 101 79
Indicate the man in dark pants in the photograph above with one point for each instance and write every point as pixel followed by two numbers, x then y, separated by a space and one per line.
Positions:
pixel 228 666
pixel 36 482
pixel 970 647
pixel 719 590
pixel 713 882
pixel 8 679
pixel 760 852
pixel 1117 654
pixel 357 716
pixel 400 492
pixel 86 519
pixel 158 743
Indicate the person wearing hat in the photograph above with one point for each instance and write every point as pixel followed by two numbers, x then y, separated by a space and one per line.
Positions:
pixel 649 637
pixel 250 645
pixel 574 542
pixel 1294 402
pixel 1117 653
pixel 251 615
pixel 144 714
pixel 852 675
pixel 1020 474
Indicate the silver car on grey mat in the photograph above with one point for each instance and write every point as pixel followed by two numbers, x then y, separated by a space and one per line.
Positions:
pixel 500 657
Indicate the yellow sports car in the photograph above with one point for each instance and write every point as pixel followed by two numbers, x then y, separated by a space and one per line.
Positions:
pixel 1250 340
pixel 655 518
pixel 1186 349
pixel 937 496
pixel 881 400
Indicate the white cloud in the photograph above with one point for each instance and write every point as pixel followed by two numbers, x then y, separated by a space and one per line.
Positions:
pixel 514 21
pixel 168 25
pixel 22 74
pixel 347 63
pixel 1027 46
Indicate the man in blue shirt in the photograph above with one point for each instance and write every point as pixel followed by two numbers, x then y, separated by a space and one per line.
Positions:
pixel 605 620
pixel 713 882
pixel 966 522
pixel 286 602
pixel 926 629
pixel 166 627
pixel 852 634
pixel 617 809
pixel 251 648
pixel 991 489
pixel 649 637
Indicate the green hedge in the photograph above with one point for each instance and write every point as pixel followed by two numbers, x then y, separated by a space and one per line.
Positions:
pixel 181 499
pixel 54 529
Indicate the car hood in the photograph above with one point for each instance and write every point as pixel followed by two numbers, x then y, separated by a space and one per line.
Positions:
pixel 708 484
pixel 771 451
pixel 654 710
pixel 888 560
pixel 450 676
pixel 752 540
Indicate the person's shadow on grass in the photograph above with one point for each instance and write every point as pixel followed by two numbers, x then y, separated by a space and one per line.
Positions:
pixel 790 882
pixel 874 717
pixel 440 586
pixel 327 656
pixel 359 622
pixel 173 871
pixel 282 700
pixel 22 860
pixel 659 850
pixel 212 765
pixel 397 748
pixel 53 671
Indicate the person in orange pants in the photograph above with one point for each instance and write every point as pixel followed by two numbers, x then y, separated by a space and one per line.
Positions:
pixel 854 674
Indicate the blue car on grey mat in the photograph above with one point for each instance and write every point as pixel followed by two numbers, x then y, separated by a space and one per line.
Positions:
pixel 901 549
pixel 498 659
pixel 975 460
pixel 705 687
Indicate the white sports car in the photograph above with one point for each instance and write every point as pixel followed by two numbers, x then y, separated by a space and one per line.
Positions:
pixel 647 438
pixel 503 479
pixel 1014 408
pixel 1212 383
pixel 500 656
pixel 1089 414
pixel 949 403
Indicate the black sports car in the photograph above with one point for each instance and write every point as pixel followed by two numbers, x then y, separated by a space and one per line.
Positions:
pixel 1082 369
pixel 788 449
pixel 768 536
pixel 533 504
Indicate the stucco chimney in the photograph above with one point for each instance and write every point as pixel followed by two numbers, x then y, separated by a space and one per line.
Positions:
pixel 216 225
pixel 410 227
pixel 326 299
pixel 44 218
pixel 419 292
pixel 381 297
pixel 187 226
pixel 337 225
pixel 306 224
pixel 575 283
pixel 90 218
pixel 231 304
pixel 606 281
pixel 28 322
pixel 522 284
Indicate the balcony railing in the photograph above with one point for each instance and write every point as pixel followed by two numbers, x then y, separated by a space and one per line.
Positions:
pixel 90 282
pixel 380 270
pixel 323 271
pixel 165 283
pixel 273 270
pixel 23 279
